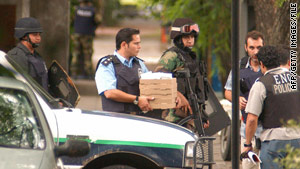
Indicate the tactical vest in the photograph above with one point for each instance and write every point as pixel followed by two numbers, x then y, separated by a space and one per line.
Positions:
pixel 38 70
pixel 33 64
pixel 84 20
pixel 127 81
pixel 281 103
pixel 247 79
pixel 196 77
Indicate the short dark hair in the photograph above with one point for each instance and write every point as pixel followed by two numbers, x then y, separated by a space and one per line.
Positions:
pixel 254 35
pixel 284 54
pixel 269 56
pixel 125 34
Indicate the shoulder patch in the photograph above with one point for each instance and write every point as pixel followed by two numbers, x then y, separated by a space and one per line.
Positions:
pixel 107 60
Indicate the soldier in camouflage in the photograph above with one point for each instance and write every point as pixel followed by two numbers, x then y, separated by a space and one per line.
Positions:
pixel 184 33
pixel 85 23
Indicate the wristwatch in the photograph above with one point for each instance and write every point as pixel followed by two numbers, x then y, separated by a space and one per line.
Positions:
pixel 247 145
pixel 136 101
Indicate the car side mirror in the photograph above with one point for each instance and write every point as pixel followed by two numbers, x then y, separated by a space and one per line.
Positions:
pixel 73 148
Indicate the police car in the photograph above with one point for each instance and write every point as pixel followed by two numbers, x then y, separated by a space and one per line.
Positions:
pixel 119 140
pixel 25 138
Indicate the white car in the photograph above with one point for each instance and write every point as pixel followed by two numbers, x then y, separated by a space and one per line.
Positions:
pixel 118 140
pixel 25 137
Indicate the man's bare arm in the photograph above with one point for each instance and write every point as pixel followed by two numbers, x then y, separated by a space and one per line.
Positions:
pixel 228 95
pixel 251 126
pixel 120 96
pixel 242 100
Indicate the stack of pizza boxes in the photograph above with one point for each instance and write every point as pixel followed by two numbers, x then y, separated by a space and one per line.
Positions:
pixel 164 90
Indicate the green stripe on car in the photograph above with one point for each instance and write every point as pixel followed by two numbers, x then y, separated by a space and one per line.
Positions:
pixel 129 143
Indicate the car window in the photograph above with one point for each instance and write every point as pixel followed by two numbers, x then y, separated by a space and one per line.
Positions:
pixel 4 72
pixel 52 102
pixel 19 126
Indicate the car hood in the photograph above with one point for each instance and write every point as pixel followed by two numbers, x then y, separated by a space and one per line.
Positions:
pixel 20 158
pixel 101 126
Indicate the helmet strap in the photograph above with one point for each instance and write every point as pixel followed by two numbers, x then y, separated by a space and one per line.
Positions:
pixel 34 45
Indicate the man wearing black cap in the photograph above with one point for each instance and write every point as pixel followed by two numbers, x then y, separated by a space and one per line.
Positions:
pixel 184 33
pixel 28 30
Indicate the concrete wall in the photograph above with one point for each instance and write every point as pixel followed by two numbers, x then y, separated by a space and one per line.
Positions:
pixel 54 17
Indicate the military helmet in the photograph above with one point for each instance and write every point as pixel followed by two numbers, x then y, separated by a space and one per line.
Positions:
pixel 183 26
pixel 27 25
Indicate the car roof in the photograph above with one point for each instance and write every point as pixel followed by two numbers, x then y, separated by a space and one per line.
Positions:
pixel 8 82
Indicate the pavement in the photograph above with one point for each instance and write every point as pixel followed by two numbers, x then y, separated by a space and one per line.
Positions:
pixel 151 50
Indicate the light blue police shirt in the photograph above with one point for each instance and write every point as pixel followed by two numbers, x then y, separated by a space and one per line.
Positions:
pixel 105 77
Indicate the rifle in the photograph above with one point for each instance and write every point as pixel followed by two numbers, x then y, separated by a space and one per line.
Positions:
pixel 193 100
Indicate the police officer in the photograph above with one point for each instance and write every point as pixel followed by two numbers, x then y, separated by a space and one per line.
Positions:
pixel 117 76
pixel 249 72
pixel 28 30
pixel 273 102
pixel 85 24
pixel 184 32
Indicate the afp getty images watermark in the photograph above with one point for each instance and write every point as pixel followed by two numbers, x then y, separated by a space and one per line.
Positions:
pixel 293 45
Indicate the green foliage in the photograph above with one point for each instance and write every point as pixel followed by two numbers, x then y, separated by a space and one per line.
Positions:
pixel 110 8
pixel 292 160
pixel 279 3
pixel 213 18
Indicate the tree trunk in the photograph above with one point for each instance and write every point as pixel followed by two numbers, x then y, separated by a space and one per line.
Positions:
pixel 274 22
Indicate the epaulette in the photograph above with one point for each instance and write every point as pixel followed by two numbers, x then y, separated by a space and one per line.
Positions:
pixel 108 60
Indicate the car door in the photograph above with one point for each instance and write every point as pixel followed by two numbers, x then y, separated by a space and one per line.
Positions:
pixel 23 140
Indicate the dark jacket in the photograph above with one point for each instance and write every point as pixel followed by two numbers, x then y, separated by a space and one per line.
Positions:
pixel 32 63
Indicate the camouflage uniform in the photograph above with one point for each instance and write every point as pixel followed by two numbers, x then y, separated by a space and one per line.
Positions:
pixel 82 53
pixel 177 58
pixel 85 24
pixel 169 63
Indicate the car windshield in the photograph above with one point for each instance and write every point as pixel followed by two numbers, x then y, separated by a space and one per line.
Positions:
pixel 19 126
pixel 52 102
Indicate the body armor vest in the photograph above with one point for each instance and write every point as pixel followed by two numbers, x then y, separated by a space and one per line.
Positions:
pixel 84 20
pixel 33 64
pixel 281 103
pixel 127 81
pixel 247 79
pixel 196 78
pixel 38 70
